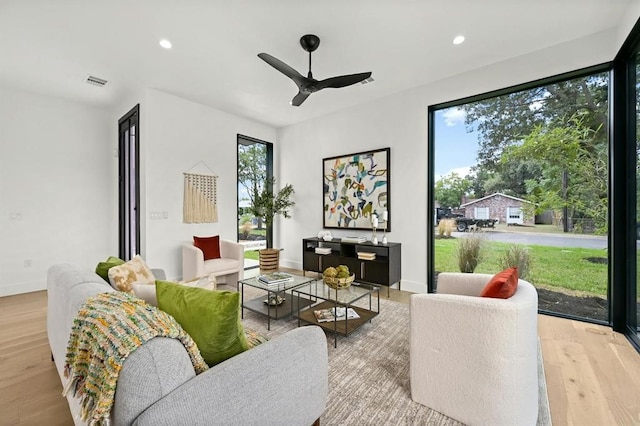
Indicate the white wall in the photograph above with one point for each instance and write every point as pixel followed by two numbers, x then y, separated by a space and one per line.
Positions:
pixel 56 187
pixel 176 135
pixel 400 122
pixel 58 180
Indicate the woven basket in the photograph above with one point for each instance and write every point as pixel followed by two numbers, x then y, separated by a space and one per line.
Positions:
pixel 339 283
pixel 269 259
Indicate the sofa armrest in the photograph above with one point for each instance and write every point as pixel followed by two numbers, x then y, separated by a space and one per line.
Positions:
pixel 159 274
pixel 192 262
pixel 282 381
pixel 232 250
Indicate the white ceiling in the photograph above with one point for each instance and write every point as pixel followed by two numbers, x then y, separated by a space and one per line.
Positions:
pixel 52 46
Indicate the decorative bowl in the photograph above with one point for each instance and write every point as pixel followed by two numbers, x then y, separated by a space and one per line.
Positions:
pixel 338 283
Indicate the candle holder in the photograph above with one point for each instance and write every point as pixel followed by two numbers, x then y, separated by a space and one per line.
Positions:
pixel 374 225
pixel 384 233
pixel 384 220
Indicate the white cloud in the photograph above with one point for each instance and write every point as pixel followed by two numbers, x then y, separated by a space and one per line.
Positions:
pixel 460 171
pixel 453 116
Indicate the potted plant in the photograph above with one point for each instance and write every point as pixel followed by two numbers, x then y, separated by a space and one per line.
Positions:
pixel 267 204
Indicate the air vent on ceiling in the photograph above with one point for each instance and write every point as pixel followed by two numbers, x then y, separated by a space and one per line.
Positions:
pixel 367 80
pixel 96 81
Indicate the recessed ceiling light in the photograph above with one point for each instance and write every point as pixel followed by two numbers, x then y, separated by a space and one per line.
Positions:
pixel 458 40
pixel 165 43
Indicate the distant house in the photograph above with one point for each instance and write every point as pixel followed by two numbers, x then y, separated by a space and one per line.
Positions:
pixel 505 208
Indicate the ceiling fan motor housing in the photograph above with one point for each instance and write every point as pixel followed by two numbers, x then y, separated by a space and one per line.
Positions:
pixel 309 42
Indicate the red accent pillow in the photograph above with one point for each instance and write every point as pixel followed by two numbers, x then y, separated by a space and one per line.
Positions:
pixel 210 246
pixel 503 285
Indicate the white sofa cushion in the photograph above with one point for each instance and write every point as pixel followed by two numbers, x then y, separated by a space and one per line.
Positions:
pixel 221 266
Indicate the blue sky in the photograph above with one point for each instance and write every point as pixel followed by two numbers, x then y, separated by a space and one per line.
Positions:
pixel 455 149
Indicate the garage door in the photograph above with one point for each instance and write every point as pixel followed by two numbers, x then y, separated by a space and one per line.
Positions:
pixel 515 216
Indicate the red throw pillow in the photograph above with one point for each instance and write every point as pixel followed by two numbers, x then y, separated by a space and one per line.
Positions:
pixel 503 285
pixel 210 246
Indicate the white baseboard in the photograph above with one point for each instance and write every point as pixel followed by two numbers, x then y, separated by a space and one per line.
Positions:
pixel 23 287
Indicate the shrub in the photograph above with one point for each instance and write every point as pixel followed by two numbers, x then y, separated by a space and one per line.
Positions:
pixel 517 255
pixel 470 252
pixel 445 227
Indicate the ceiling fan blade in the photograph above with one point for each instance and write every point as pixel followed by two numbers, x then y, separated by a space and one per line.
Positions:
pixel 283 68
pixel 342 81
pixel 299 98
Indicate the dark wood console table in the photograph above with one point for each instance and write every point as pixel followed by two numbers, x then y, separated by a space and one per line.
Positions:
pixel 384 270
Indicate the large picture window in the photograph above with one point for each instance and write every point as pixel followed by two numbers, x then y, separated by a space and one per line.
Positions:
pixel 524 174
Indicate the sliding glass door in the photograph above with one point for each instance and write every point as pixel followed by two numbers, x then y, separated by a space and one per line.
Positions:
pixel 625 218
pixel 128 184
pixel 634 290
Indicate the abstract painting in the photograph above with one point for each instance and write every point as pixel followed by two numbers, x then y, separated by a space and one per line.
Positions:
pixel 355 186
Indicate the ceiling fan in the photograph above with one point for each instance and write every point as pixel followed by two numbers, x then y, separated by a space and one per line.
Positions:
pixel 308 85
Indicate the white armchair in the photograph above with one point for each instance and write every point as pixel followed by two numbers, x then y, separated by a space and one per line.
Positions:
pixel 475 358
pixel 229 268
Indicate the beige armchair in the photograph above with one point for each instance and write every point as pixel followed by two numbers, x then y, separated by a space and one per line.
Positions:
pixel 228 269
pixel 475 358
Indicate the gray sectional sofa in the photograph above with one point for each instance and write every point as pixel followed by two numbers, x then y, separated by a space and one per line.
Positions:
pixel 282 381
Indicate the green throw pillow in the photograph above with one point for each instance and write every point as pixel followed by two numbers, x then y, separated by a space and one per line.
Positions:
pixel 211 317
pixel 103 267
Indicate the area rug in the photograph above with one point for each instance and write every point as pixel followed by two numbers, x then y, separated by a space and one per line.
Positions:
pixel 369 372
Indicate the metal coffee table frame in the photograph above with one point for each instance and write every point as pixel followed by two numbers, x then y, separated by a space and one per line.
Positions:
pixel 322 296
pixel 258 304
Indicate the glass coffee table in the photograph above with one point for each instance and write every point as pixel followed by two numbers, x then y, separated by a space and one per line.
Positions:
pixel 317 296
pixel 277 302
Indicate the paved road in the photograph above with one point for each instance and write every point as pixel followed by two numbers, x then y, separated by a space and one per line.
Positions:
pixel 554 240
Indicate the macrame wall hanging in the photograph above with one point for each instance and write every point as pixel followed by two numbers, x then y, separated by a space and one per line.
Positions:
pixel 200 203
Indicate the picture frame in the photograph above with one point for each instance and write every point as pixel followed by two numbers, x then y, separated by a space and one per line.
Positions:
pixel 355 186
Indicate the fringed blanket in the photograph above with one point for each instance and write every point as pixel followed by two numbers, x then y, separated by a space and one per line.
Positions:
pixel 107 329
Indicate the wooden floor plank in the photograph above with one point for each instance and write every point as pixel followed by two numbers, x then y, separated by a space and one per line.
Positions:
pixel 557 393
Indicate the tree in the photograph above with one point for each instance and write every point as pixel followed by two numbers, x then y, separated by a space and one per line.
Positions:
pixel 506 120
pixel 508 177
pixel 450 189
pixel 267 204
pixel 572 161
pixel 252 171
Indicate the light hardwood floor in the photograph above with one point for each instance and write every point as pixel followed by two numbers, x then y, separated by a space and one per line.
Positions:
pixel 593 374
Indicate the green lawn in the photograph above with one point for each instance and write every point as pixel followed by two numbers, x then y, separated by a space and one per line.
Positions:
pixel 251 254
pixel 550 266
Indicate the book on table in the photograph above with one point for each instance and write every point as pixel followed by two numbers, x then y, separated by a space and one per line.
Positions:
pixel 365 255
pixel 275 278
pixel 337 314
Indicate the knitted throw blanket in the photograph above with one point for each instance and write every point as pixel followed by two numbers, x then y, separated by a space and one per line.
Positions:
pixel 107 329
